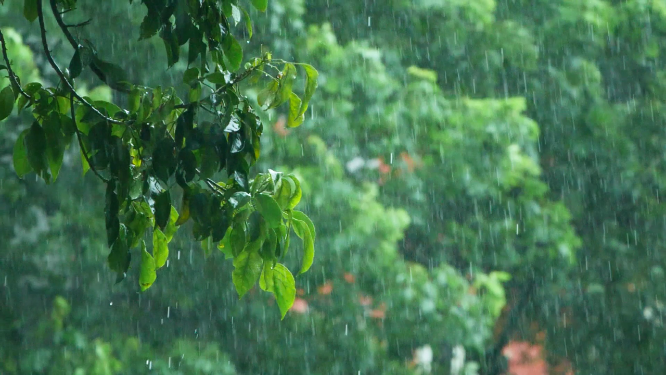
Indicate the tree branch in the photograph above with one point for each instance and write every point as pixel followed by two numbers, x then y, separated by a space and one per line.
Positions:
pixel 59 72
pixel 75 44
pixel 78 137
pixel 234 81
pixel 12 75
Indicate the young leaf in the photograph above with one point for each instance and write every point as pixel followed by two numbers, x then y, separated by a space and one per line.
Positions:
pixel 6 102
pixel 247 269
pixel 311 82
pixel 269 209
pixel 261 5
pixel 147 275
pixel 279 281
pixel 305 230
pixel 21 164
pixel 160 248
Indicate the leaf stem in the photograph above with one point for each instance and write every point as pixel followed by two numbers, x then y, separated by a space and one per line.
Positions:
pixel 59 72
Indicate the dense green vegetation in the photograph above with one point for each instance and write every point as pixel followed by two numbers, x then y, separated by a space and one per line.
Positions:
pixel 477 172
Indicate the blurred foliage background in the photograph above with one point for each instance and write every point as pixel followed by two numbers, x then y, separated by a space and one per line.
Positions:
pixel 480 172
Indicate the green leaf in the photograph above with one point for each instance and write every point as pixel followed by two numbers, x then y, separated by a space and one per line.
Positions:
pixel 170 44
pixel 190 75
pixel 119 258
pixel 266 97
pixel 305 229
pixel 171 227
pixel 160 248
pixel 111 210
pixel 239 199
pixel 55 141
pixel 286 85
pixel 279 281
pixel 233 51
pixel 147 275
pixel 217 78
pixel 248 22
pixel 247 269
pixel 269 209
pixel 21 163
pixel 6 102
pixel 75 65
pixel 150 24
pixel 225 245
pixel 164 160
pixel 30 10
pixel 295 118
pixel 35 142
pixel 162 209
pixel 238 238
pixel 261 5
pixel 311 82
pixel 114 75
pixel 296 193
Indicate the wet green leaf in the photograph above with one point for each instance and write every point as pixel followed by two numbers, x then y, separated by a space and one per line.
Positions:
pixel 261 5
pixel 247 269
pixel 147 274
pixel 269 209
pixel 171 227
pixel 119 258
pixel 20 156
pixel 6 102
pixel 35 142
pixel 160 248
pixel 233 51
pixel 305 229
pixel 162 209
pixel 279 281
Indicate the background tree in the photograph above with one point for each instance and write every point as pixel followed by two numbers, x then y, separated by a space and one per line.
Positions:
pixel 451 145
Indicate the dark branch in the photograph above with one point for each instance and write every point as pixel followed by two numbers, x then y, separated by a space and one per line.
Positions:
pixel 75 44
pixel 12 75
pixel 59 72
pixel 78 137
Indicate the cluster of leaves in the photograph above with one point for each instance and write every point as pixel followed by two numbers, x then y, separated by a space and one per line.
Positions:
pixel 160 145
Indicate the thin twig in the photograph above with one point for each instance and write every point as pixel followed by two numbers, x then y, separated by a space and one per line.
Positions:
pixel 59 72
pixel 78 136
pixel 80 24
pixel 12 75
pixel 75 44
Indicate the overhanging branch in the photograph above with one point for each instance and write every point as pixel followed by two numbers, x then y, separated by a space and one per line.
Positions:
pixel 75 44
pixel 59 72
